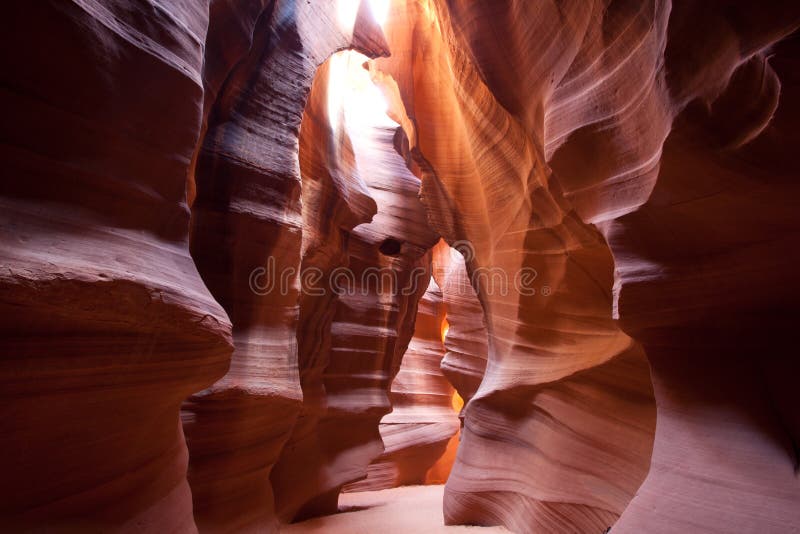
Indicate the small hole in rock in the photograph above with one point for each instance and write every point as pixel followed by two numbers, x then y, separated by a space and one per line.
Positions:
pixel 390 247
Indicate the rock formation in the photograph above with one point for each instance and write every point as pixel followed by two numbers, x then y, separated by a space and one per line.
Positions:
pixel 705 285
pixel 216 254
pixel 543 337
pixel 360 326
pixel 533 130
pixel 417 432
pixel 247 230
pixel 106 324
pixel 466 341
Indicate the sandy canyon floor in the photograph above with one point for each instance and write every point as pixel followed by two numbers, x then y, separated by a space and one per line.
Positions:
pixel 408 509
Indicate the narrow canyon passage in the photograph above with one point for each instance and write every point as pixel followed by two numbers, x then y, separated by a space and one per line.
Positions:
pixel 399 266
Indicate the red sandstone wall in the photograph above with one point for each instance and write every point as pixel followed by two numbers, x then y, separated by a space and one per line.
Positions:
pixel 615 148
pixel 634 158
pixel 422 422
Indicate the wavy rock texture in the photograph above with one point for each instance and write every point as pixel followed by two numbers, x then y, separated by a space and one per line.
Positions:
pixel 361 335
pixel 466 341
pixel 106 324
pixel 232 82
pixel 707 276
pixel 246 240
pixel 618 175
pixel 417 432
pixel 487 184
pixel 535 121
pixel 335 200
pixel 692 261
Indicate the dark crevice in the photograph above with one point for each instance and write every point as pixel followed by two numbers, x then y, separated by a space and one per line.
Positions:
pixel 390 247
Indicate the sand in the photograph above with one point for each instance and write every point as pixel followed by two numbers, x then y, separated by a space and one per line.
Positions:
pixel 404 510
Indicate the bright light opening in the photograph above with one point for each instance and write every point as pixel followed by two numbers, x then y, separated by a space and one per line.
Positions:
pixel 347 11
pixel 351 93
pixel 456 402
pixel 380 10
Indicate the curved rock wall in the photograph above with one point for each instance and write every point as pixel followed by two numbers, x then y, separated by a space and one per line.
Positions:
pixel 99 289
pixel 705 283
pixel 335 200
pixel 355 332
pixel 247 229
pixel 466 341
pixel 692 261
pixel 618 175
pixel 487 186
pixel 535 121
pixel 106 324
pixel 422 422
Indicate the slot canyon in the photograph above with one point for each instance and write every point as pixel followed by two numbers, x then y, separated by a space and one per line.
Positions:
pixel 400 266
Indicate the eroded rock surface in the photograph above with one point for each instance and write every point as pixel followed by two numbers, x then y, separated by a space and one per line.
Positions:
pixel 618 176
pixel 517 227
pixel 374 272
pixel 595 145
pixel 417 432
pixel 106 325
pixel 247 230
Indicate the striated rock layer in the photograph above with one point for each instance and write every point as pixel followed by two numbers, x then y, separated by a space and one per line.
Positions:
pixel 359 326
pixel 466 339
pixel 114 312
pixel 617 176
pixel 707 274
pixel 543 277
pixel 106 325
pixel 637 147
pixel 417 432
pixel 247 229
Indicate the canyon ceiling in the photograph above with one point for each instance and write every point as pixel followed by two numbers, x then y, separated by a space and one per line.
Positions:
pixel 569 232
